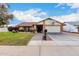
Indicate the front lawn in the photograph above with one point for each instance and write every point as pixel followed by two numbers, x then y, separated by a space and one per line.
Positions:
pixel 16 39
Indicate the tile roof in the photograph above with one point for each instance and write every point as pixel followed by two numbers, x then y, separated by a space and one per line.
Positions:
pixel 26 24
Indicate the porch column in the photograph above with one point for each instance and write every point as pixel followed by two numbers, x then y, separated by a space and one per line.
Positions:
pixel 43 26
pixel 35 29
pixel 61 26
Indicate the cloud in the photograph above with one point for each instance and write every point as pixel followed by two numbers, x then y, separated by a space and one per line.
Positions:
pixel 35 15
pixel 60 4
pixel 71 5
pixel 67 18
pixel 32 15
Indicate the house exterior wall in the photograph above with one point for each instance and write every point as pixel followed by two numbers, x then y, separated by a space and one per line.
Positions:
pixel 51 22
pixel 25 28
pixel 53 26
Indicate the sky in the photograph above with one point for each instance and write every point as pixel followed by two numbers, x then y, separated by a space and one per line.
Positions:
pixel 34 12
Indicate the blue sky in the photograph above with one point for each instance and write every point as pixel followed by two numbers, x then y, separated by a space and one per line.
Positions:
pixel 48 9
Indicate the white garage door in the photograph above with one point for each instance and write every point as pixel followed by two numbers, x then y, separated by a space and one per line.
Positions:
pixel 53 29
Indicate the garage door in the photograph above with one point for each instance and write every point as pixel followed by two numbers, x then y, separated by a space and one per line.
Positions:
pixel 53 29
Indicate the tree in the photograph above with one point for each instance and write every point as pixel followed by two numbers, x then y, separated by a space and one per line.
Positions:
pixel 5 17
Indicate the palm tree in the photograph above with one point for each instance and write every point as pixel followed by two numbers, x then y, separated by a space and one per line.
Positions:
pixel 4 15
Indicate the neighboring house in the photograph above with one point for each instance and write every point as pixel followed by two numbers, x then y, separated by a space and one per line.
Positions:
pixel 50 24
pixel 3 29
pixel 73 26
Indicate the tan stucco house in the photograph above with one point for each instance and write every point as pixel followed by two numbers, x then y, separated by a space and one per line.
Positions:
pixel 50 24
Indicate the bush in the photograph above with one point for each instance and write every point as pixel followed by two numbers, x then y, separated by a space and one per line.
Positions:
pixel 11 29
pixel 14 31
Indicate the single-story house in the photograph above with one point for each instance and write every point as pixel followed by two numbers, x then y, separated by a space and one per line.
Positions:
pixel 73 26
pixel 52 26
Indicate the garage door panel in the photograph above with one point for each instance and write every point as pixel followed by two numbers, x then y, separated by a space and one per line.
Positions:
pixel 53 28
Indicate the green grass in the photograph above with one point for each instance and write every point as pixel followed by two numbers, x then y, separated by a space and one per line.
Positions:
pixel 16 39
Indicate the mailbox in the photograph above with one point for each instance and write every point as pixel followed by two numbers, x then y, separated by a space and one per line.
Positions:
pixel 45 35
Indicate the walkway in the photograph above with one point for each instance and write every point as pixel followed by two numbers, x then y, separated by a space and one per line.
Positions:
pixel 37 37
pixel 36 40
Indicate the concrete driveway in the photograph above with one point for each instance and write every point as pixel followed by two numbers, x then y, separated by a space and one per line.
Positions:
pixel 64 36
pixel 65 39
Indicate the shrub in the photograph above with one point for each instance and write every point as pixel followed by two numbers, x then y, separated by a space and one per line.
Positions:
pixel 12 29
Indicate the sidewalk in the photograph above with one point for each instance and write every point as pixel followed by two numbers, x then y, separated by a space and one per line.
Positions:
pixel 19 51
